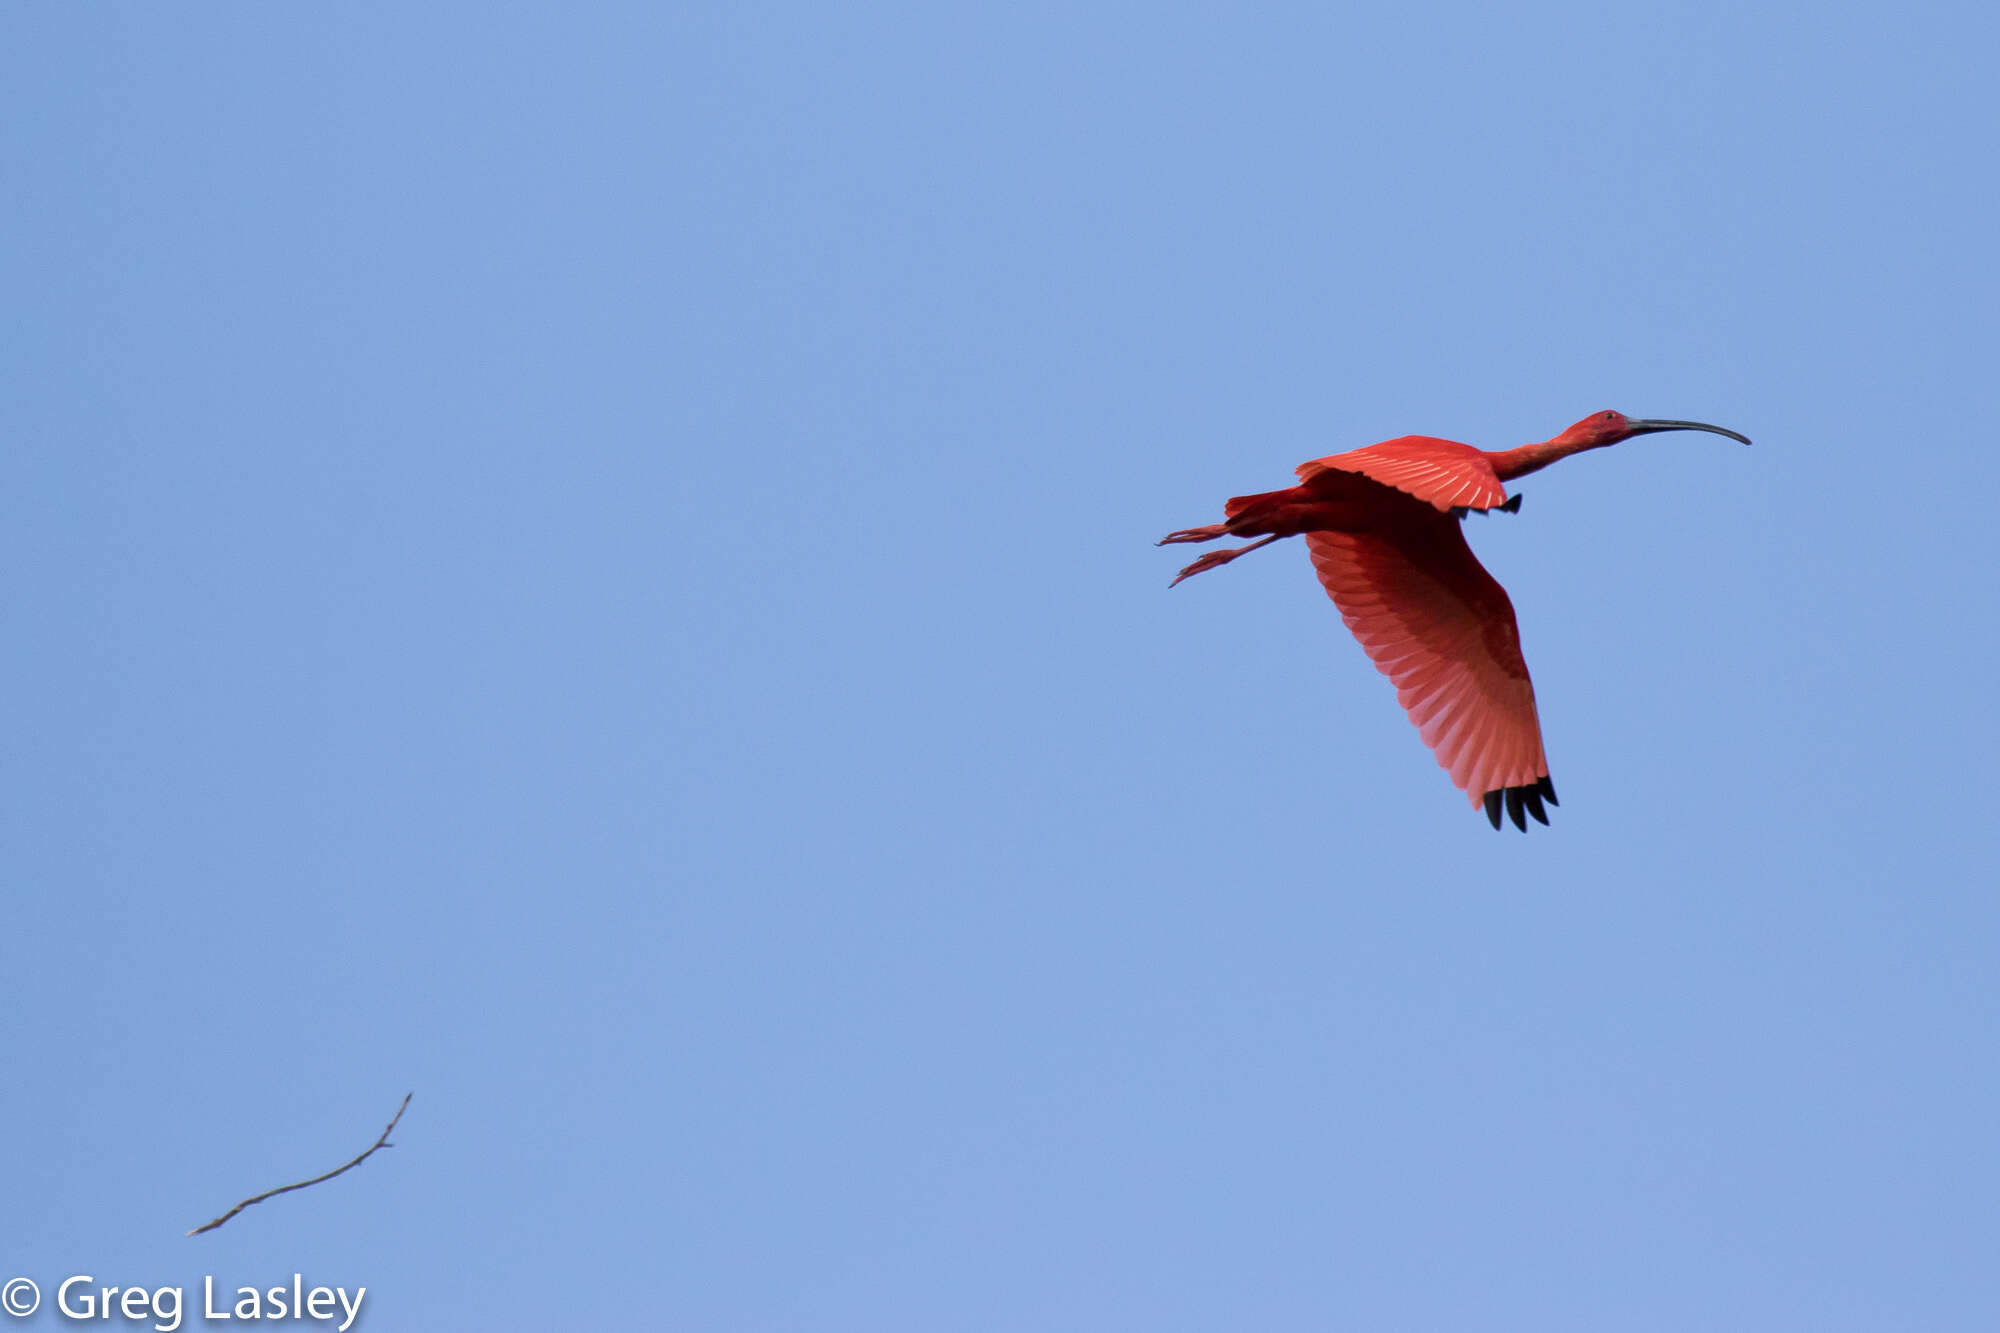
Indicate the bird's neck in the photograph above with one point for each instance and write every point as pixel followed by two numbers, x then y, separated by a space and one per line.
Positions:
pixel 1511 463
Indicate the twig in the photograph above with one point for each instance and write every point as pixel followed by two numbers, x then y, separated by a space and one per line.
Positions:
pixel 379 1144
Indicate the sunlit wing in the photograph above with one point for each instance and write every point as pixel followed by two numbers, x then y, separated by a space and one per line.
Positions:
pixel 1441 628
pixel 1442 473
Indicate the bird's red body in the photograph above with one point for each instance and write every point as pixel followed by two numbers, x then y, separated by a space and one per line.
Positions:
pixel 1382 524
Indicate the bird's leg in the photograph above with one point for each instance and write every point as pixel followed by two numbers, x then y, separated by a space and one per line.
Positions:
pixel 1214 558
pixel 1268 516
pixel 1207 534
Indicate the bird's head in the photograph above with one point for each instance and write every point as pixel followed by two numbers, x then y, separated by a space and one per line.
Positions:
pixel 1602 428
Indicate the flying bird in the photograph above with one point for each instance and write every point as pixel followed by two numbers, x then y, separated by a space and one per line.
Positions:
pixel 1382 524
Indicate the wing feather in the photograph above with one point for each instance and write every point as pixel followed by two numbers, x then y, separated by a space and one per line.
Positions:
pixel 1442 629
pixel 1442 473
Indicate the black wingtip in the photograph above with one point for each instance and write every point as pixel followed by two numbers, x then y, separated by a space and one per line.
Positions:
pixel 1521 802
pixel 1511 505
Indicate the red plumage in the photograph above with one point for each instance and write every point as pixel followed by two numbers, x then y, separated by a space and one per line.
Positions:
pixel 1382 524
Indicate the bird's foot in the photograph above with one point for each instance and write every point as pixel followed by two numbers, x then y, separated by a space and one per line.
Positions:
pixel 1207 534
pixel 1214 558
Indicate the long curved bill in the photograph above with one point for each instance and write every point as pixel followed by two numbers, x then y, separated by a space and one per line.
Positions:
pixel 1650 426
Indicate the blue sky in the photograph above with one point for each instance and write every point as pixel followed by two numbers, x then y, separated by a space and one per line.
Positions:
pixel 596 566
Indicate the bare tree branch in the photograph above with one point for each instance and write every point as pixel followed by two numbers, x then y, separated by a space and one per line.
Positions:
pixel 379 1144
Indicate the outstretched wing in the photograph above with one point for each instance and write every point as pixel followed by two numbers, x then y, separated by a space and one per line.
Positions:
pixel 1438 625
pixel 1444 474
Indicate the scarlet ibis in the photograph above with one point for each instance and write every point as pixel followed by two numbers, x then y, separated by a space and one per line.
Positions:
pixel 1382 524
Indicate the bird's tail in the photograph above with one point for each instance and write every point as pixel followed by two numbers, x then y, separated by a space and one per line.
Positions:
pixel 1270 513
